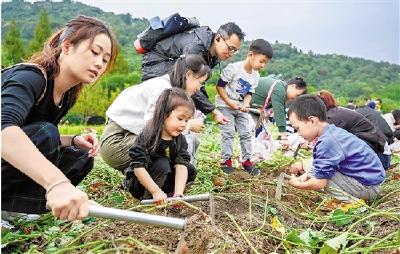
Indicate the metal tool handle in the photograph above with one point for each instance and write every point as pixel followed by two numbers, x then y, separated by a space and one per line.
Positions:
pixel 142 218
pixel 296 152
pixel 194 198
pixel 279 184
pixel 286 176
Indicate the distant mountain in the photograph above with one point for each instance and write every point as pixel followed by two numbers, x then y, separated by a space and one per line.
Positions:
pixel 341 74
pixel 345 76
pixel 26 15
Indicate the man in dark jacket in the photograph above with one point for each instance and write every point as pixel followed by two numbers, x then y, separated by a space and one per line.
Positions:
pixel 213 47
pixel 376 118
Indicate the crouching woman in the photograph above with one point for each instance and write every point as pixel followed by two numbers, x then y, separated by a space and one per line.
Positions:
pixel 40 166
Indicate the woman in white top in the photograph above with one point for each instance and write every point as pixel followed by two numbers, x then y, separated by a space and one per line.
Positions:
pixel 128 114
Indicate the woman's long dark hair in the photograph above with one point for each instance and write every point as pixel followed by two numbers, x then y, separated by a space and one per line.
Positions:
pixel 169 100
pixel 195 63
pixel 77 29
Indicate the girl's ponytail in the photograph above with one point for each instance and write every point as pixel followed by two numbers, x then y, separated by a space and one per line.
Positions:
pixel 183 64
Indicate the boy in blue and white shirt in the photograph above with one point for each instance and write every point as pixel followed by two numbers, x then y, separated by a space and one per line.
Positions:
pixel 234 88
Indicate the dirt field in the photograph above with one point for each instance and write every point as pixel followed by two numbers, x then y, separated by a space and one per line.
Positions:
pixel 248 219
pixel 250 203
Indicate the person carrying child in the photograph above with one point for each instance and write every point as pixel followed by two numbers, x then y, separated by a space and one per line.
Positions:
pixel 159 157
pixel 343 165
pixel 234 88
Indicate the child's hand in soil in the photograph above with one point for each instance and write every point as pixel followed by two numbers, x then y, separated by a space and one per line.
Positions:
pixel 296 168
pixel 177 194
pixel 177 205
pixel 159 197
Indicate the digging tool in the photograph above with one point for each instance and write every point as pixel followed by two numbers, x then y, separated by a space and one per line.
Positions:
pixel 194 198
pixel 278 191
pixel 181 247
pixel 296 152
pixel 212 206
pixel 142 218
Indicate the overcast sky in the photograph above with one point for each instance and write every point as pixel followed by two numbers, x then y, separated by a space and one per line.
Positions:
pixel 358 28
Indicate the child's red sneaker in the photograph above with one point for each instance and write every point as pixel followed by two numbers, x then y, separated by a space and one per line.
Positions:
pixel 248 166
pixel 226 166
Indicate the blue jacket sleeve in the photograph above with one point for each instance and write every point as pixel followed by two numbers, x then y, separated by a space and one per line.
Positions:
pixel 327 156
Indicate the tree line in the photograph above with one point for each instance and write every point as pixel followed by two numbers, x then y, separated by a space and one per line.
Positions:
pixel 347 77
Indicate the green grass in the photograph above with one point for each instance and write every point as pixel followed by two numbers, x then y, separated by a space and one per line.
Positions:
pixel 318 231
pixel 77 129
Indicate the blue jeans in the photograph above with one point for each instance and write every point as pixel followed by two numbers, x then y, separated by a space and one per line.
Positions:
pixel 385 160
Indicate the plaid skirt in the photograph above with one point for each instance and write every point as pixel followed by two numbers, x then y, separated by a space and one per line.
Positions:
pixel 19 193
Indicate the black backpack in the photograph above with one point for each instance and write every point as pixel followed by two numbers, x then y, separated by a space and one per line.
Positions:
pixel 161 29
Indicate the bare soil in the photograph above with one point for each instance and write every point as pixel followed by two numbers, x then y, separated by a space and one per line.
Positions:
pixel 204 235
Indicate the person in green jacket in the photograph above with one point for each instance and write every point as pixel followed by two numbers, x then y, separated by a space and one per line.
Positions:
pixel 282 92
